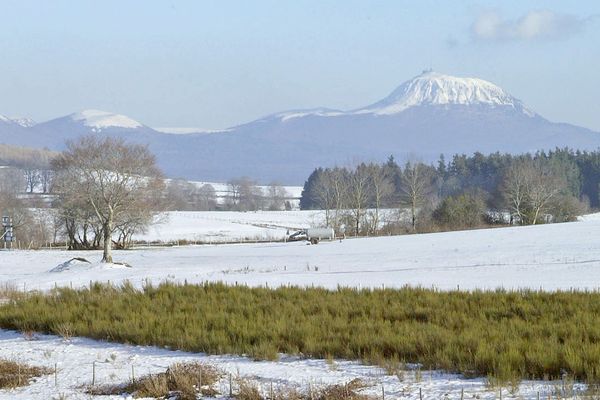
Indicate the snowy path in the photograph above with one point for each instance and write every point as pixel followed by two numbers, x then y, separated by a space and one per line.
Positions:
pixel 74 359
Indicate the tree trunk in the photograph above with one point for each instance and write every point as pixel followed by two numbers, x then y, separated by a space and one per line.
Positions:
pixel 376 222
pixel 107 230
pixel 413 212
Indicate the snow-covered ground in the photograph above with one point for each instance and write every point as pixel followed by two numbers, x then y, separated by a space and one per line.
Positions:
pixel 228 226
pixel 74 361
pixel 549 257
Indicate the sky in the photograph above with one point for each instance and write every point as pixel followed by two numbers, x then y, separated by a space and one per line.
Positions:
pixel 215 64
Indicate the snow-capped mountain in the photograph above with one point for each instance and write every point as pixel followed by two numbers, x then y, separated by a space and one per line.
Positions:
pixel 424 117
pixel 434 89
pixel 428 89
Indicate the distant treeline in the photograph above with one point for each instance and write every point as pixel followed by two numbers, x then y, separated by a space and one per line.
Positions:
pixel 24 157
pixel 464 192
pixel 30 168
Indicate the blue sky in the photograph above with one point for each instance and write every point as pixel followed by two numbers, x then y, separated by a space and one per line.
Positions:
pixel 213 64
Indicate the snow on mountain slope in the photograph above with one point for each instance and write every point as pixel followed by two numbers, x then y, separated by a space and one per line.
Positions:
pixel 291 114
pixel 432 88
pixel 22 122
pixel 102 119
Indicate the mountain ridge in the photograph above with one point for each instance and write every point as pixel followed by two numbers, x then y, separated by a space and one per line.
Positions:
pixel 428 115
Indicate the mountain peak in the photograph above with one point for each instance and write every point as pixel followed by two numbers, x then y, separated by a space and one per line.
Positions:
pixel 433 88
pixel 99 120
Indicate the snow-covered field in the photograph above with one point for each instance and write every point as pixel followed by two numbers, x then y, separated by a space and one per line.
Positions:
pixel 74 361
pixel 550 257
pixel 228 226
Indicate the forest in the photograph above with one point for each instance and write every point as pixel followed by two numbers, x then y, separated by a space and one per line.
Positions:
pixel 464 192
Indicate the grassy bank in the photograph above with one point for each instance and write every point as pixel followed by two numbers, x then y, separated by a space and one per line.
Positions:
pixel 504 335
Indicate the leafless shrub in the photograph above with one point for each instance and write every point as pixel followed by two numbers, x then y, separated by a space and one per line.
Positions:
pixel 348 391
pixel 14 374
pixel 182 381
pixel 248 390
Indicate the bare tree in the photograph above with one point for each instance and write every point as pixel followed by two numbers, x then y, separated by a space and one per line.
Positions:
pixel 251 196
pixel 115 178
pixel 515 190
pixel 382 189
pixel 46 178
pixel 339 180
pixel 277 195
pixel 10 203
pixel 31 225
pixel 323 193
pixel 180 195
pixel 417 185
pixel 244 195
pixel 232 200
pixel 531 187
pixel 359 194
pixel 206 197
pixel 79 222
pixel 32 178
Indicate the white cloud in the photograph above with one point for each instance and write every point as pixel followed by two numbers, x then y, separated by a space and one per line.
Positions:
pixel 540 24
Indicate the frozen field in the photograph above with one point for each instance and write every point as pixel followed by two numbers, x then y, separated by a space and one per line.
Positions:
pixel 74 359
pixel 550 257
pixel 228 226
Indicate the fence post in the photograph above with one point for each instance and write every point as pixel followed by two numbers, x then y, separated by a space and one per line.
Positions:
pixel 94 373
pixel 462 393
pixel 230 386
pixel 55 375
pixel 272 393
pixel 420 394
pixel 132 374
pixel 382 392
pixel 500 393
pixel 200 380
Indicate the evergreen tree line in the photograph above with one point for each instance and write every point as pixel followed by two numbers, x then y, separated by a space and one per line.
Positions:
pixel 465 192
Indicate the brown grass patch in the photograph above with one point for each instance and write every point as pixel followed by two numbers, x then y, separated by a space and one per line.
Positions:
pixel 348 391
pixel 14 374
pixel 248 390
pixel 183 381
